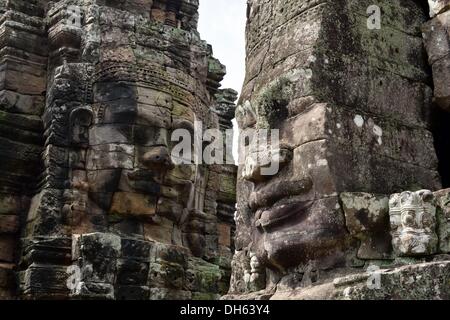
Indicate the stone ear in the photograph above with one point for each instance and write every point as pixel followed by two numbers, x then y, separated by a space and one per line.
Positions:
pixel 80 121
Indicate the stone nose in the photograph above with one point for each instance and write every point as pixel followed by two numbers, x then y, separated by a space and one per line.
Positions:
pixel 263 165
pixel 157 158
pixel 251 170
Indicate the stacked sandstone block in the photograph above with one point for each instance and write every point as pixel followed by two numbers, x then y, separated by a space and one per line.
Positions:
pixel 436 34
pixel 23 51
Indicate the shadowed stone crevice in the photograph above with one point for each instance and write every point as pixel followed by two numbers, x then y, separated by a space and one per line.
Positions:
pixel 441 131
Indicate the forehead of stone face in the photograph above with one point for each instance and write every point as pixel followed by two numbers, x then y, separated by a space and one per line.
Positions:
pixel 126 113
pixel 115 103
pixel 245 115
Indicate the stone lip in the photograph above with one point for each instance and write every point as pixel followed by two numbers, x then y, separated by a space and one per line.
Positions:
pixel 269 194
pixel 279 214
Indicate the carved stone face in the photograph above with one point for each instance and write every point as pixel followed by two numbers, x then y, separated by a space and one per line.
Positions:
pixel 128 155
pixel 413 223
pixel 131 97
pixel 335 118
pixel 130 171
pixel 106 84
pixel 294 212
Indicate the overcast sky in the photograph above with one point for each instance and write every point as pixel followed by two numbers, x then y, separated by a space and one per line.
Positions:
pixel 222 24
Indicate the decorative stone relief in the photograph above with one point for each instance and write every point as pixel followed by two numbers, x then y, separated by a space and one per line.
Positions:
pixel 413 223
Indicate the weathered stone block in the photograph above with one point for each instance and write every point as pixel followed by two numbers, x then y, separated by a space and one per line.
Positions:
pixel 136 249
pixel 161 230
pixel 438 6
pixel 402 283
pixel 93 290
pixel 110 156
pixel 310 160
pixel 227 188
pixel 9 204
pixel 133 204
pixel 202 276
pixel 154 116
pixel 170 253
pixel 148 136
pixel 132 293
pixel 44 281
pixel 154 158
pixel 9 224
pixel 132 272
pixel 169 209
pixel 167 275
pixel 126 226
pixel 13 78
pixel 224 231
pixel 7 248
pixel 180 114
pixel 99 244
pixel 367 219
pixel 436 35
pixel 97 269
pixel 20 103
pixel 110 134
pixel 169 294
pixel 153 97
pixel 46 250
pixel 96 255
pixel 443 219
pixel 204 296
pixel 6 276
pixel 7 282
pixel 110 91
pixel 183 173
pixel 441 71
pixel 104 181
pixel 142 181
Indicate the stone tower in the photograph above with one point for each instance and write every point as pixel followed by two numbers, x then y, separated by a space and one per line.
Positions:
pixel 348 86
pixel 91 203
